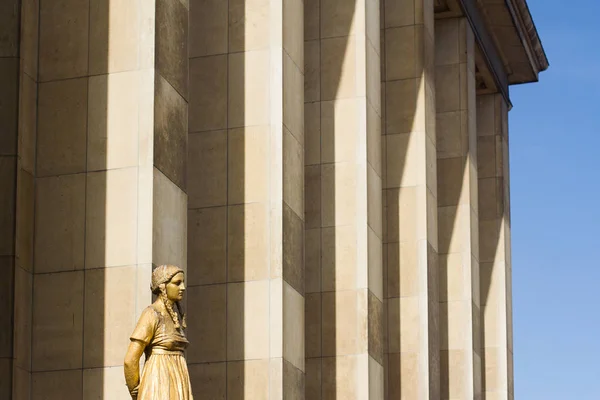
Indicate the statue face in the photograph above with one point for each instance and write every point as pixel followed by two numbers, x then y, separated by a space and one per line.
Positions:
pixel 176 287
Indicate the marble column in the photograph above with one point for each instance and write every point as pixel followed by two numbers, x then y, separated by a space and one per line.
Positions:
pixel 494 238
pixel 460 314
pixel 109 182
pixel 343 169
pixel 410 194
pixel 246 199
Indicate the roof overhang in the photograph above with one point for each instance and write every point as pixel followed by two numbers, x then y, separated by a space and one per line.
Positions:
pixel 509 50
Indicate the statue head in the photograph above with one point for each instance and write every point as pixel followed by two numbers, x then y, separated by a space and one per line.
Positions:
pixel 168 279
pixel 168 282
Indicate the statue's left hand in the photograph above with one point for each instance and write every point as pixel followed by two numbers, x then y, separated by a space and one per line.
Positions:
pixel 134 392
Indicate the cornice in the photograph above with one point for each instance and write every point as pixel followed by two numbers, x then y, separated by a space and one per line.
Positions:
pixel 528 33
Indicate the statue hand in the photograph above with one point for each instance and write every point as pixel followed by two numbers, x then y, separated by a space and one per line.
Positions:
pixel 134 392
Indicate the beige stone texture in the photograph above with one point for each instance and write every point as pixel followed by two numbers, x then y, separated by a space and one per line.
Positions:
pixel 58 321
pixel 312 258
pixel 209 379
pixel 457 201
pixel 171 41
pixel 27 122
pixel 23 284
pixel 248 100
pixel 247 243
pixel 25 204
pixel 8 172
pixel 113 122
pixel 247 379
pixel 7 305
pixel 100 383
pixel 207 246
pixel 495 252
pixel 60 223
pixel 249 25
pixel 343 198
pixel 293 250
pixel 208 91
pixel 312 132
pixel 293 89
pixel 109 311
pixel 56 385
pixel 9 46
pixel 114 36
pixel 409 223
pixel 169 228
pixel 293 329
pixel 64 39
pixel 293 173
pixel 9 102
pixel 248 320
pixel 344 323
pixel 170 130
pixel 208 28
pixel 207 169
pixel 62 121
pixel 248 165
pixel 338 194
pixel 111 218
pixel 208 324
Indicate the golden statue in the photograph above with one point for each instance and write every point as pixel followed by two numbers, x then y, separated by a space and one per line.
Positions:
pixel 159 334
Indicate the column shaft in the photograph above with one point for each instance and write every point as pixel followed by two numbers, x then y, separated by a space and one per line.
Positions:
pixel 246 198
pixel 410 198
pixel 13 276
pixel 494 237
pixel 460 331
pixel 109 170
pixel 344 278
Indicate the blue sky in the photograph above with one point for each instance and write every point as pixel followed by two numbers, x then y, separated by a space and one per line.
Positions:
pixel 555 185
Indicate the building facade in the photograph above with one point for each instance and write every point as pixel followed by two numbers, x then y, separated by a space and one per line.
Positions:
pixel 332 174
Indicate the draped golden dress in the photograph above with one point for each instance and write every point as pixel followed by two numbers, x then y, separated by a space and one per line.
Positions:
pixel 165 375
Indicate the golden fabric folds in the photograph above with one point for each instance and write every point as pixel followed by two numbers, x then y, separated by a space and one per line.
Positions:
pixel 165 375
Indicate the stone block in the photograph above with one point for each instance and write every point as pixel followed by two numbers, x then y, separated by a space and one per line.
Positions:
pixel 114 36
pixel 110 295
pixel 248 99
pixel 207 169
pixel 60 223
pixel 62 127
pixel 207 324
pixel 170 131
pixel 58 328
pixel 63 46
pixel 248 165
pixel 208 28
pixel 113 126
pixel 207 246
pixel 247 327
pixel 250 22
pixel 111 218
pixel 57 385
pixel 171 41
pixel 208 93
pixel 247 243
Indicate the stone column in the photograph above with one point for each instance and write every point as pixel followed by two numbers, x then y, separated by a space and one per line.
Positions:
pixel 460 315
pixel 15 281
pixel 343 168
pixel 494 238
pixel 109 171
pixel 246 201
pixel 411 201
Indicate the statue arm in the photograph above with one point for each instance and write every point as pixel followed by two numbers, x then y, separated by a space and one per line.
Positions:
pixel 132 366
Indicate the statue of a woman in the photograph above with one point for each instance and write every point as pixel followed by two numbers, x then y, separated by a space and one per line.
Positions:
pixel 160 335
